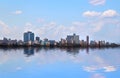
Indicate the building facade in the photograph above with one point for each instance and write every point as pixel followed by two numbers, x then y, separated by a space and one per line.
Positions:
pixel 38 39
pixel 28 36
pixel 87 40
pixel 73 39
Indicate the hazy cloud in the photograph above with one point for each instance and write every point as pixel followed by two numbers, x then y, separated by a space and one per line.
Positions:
pixel 97 75
pixel 28 24
pixel 91 14
pixel 29 27
pixel 97 2
pixel 17 12
pixel 52 30
pixel 40 20
pixel 55 31
pixel 4 29
pixel 90 69
pixel 19 68
pixel 3 24
pixel 10 32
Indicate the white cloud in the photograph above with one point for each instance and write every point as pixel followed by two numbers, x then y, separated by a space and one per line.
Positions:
pixel 97 26
pixel 90 69
pixel 4 29
pixel 17 12
pixel 91 14
pixel 109 13
pixel 97 2
pixel 109 68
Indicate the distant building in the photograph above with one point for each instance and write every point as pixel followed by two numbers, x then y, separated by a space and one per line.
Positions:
pixel 73 39
pixel 93 43
pixel 82 43
pixel 87 40
pixel 107 43
pixel 63 42
pixel 12 42
pixel 38 39
pixel 52 42
pixel 1 41
pixel 28 36
pixel 101 43
pixel 6 41
pixel 45 40
pixel 20 42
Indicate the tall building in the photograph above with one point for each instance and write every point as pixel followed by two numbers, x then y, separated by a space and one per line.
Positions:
pixel 38 38
pixel 73 39
pixel 87 40
pixel 28 36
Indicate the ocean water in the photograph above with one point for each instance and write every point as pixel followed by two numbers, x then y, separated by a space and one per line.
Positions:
pixel 60 63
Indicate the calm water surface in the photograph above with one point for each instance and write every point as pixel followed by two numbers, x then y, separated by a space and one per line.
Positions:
pixel 60 63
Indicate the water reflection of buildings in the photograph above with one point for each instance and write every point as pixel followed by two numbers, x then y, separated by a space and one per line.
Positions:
pixel 29 51
pixel 72 50
pixel 75 51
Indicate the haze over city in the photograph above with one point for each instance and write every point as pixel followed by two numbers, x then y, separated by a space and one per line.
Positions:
pixel 52 19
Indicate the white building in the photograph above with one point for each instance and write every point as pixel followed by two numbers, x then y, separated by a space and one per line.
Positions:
pixel 73 39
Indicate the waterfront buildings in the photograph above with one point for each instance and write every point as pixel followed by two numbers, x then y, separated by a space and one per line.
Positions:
pixel 38 39
pixel 70 41
pixel 20 43
pixel 28 37
pixel 52 42
pixel 73 39
pixel 93 43
pixel 82 43
pixel 63 42
pixel 6 41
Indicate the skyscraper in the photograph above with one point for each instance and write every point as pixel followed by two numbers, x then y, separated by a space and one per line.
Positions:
pixel 28 36
pixel 87 40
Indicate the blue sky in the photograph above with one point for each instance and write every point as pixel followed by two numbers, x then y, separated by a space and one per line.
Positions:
pixel 53 19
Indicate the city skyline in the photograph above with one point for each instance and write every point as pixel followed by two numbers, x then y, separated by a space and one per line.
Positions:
pixel 30 40
pixel 55 19
pixel 30 36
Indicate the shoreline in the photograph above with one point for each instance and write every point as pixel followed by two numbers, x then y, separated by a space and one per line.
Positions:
pixel 58 46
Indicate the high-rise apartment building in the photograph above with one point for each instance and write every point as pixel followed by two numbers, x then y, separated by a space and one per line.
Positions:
pixel 28 36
